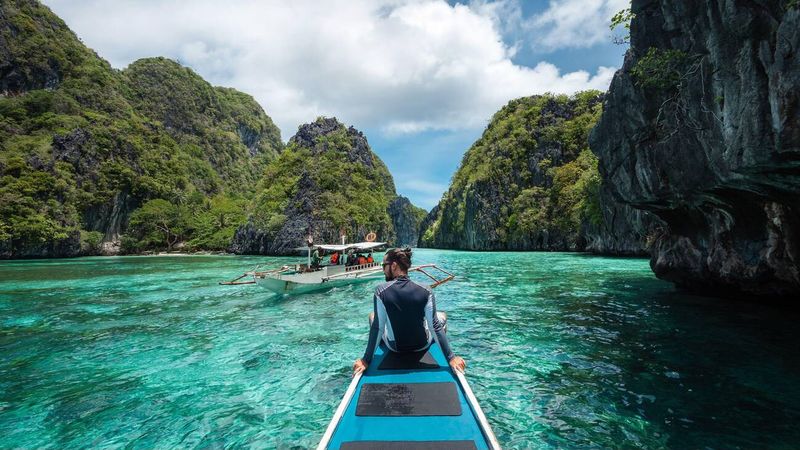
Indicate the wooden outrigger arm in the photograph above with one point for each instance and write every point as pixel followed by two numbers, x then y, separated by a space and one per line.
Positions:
pixel 236 281
pixel 436 281
pixel 253 274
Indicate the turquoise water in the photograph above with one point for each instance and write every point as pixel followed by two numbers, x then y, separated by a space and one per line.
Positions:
pixel 563 351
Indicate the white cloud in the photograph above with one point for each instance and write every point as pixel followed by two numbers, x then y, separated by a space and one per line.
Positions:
pixel 506 14
pixel 574 23
pixel 401 66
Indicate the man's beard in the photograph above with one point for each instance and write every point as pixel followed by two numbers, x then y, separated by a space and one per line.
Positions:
pixel 389 276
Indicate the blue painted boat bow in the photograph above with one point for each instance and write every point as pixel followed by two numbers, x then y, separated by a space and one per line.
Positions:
pixel 396 427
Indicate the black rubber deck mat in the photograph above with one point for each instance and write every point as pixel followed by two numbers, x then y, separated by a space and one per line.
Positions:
pixel 408 361
pixel 409 445
pixel 408 399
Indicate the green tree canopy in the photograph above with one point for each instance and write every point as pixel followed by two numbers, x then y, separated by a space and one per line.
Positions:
pixel 159 223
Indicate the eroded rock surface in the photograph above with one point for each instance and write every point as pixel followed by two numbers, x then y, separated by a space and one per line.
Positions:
pixel 327 182
pixel 530 183
pixel 710 142
pixel 406 219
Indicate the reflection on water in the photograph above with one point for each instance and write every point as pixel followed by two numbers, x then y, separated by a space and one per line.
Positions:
pixel 564 351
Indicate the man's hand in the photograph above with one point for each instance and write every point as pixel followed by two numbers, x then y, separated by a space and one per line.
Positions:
pixel 359 366
pixel 458 363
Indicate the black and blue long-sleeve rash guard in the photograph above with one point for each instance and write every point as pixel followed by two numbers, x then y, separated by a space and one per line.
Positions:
pixel 405 314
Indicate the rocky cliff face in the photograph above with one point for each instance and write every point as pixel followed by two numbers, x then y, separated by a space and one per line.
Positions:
pixel 623 230
pixel 236 136
pixel 327 181
pixel 530 183
pixel 83 145
pixel 406 220
pixel 43 64
pixel 701 127
pixel 298 222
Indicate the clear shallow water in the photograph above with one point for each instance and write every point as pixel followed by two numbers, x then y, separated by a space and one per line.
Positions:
pixel 563 351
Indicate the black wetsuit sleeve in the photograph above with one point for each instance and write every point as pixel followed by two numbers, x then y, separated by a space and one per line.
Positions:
pixel 373 332
pixel 438 327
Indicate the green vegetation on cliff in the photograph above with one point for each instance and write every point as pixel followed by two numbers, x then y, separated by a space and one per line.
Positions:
pixel 224 127
pixel 207 224
pixel 83 145
pixel 529 182
pixel 327 179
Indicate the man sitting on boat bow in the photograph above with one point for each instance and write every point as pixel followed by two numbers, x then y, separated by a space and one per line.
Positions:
pixel 404 314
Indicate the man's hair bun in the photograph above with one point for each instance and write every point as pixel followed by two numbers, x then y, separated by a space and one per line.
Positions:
pixel 401 256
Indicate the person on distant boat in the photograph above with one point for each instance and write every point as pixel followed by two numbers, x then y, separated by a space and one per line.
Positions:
pixel 361 259
pixel 404 314
pixel 351 258
pixel 335 258
pixel 315 258
pixel 369 258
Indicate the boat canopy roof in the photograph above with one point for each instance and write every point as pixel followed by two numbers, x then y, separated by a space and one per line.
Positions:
pixel 332 247
pixel 367 245
pixel 358 246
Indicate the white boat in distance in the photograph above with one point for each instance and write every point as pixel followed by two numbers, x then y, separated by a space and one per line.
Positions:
pixel 302 278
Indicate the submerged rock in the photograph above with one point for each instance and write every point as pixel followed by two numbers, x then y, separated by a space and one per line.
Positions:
pixel 701 127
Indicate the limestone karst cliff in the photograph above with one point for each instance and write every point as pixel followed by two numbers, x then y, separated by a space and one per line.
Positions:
pixel 83 146
pixel 327 181
pixel 406 219
pixel 531 183
pixel 98 160
pixel 701 127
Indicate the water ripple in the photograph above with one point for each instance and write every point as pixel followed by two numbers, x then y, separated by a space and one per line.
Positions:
pixel 564 351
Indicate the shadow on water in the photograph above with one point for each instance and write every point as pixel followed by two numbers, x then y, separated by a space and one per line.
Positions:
pixel 673 370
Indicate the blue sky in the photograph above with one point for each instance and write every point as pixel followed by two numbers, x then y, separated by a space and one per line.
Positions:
pixel 421 78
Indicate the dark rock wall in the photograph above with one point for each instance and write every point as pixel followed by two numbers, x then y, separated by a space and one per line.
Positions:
pixel 67 247
pixel 300 222
pixel 405 220
pixel 624 231
pixel 715 155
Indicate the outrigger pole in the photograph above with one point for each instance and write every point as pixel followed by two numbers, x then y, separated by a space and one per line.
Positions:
pixel 436 282
pixel 236 281
pixel 251 274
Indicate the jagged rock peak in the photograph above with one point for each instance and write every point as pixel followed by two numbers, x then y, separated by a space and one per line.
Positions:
pixel 312 136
